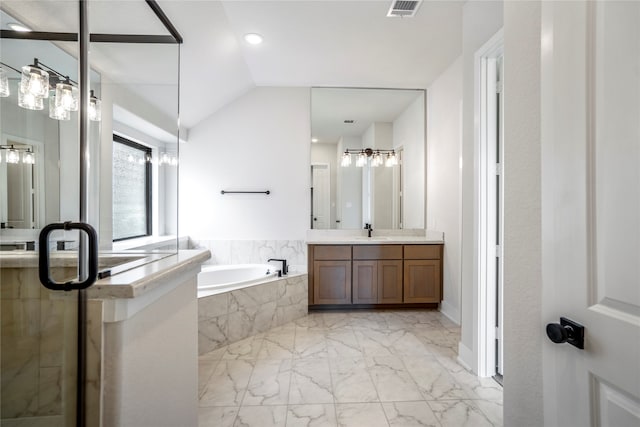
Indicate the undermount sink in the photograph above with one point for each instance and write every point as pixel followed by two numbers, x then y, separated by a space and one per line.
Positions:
pixel 373 238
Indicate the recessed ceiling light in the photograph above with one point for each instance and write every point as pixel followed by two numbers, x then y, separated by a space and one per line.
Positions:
pixel 253 38
pixel 314 139
pixel 18 27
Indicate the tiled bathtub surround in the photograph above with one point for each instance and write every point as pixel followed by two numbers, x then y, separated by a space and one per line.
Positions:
pixel 255 251
pixel 232 316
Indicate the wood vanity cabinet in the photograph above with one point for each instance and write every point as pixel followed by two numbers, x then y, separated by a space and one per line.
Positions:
pixel 422 273
pixel 331 274
pixel 375 274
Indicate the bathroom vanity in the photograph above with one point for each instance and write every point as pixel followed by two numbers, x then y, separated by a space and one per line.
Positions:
pixel 379 272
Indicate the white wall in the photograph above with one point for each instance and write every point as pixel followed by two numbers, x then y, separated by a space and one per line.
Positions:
pixel 258 142
pixel 409 132
pixel 481 20
pixel 444 150
pixel 349 188
pixel 523 332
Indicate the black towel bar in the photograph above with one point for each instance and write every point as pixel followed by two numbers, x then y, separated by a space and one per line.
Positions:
pixel 245 192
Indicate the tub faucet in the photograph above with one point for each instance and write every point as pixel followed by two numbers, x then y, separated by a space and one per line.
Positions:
pixel 285 269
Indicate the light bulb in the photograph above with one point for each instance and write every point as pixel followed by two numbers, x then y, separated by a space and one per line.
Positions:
pixel 34 81
pixel 164 159
pixel 67 96
pixel 30 101
pixel 28 158
pixel 362 159
pixel 95 109
pixel 4 84
pixel 346 159
pixel 57 112
pixel 13 156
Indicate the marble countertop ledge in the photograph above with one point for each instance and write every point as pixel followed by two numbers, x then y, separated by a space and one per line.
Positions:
pixel 138 281
pixel 379 237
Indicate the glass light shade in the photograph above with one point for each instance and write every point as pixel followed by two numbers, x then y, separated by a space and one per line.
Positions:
pixel 29 158
pixel 165 159
pixel 173 161
pixel 377 159
pixel 67 96
pixel 56 112
pixel 4 84
pixel 30 101
pixel 95 110
pixel 12 156
pixel 346 159
pixel 361 160
pixel 391 160
pixel 34 81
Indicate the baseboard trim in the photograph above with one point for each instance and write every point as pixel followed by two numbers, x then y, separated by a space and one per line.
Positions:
pixel 466 357
pixel 452 313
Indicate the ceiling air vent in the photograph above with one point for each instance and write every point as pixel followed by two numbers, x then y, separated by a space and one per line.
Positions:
pixel 403 8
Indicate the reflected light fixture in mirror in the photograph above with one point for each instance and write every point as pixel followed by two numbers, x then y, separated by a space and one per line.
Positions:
pixel 4 84
pixel 12 154
pixel 366 154
pixel 36 84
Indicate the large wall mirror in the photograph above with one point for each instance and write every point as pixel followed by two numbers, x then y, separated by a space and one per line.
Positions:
pixel 367 158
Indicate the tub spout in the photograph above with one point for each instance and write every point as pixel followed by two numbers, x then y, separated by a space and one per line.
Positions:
pixel 284 270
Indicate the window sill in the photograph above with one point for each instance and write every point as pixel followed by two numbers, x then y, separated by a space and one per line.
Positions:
pixel 143 243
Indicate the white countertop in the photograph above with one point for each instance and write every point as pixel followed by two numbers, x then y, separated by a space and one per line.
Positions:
pixel 379 237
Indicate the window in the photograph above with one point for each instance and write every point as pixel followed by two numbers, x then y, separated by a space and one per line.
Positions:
pixel 131 189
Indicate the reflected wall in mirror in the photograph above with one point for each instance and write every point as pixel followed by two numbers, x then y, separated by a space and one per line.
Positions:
pixel 367 158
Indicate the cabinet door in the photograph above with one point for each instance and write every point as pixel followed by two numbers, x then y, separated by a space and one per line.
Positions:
pixel 422 281
pixel 389 282
pixel 332 282
pixel 365 282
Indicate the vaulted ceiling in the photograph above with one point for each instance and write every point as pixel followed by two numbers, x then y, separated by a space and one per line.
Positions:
pixel 306 43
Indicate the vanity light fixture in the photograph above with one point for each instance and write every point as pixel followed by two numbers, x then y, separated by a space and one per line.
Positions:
pixel 253 38
pixel 18 27
pixel 28 157
pixel 346 159
pixel 168 159
pixel 56 111
pixel 4 83
pixel 38 82
pixel 95 108
pixel 12 154
pixel 378 157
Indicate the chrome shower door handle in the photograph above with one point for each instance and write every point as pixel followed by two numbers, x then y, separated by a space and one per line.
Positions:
pixel 92 258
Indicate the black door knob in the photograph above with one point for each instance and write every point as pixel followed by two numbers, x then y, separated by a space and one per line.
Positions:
pixel 558 333
pixel 566 331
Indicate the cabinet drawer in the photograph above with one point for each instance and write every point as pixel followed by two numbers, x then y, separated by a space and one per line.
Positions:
pixel 376 252
pixel 329 252
pixel 422 251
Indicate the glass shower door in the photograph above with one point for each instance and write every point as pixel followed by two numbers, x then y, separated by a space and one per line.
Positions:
pixel 42 160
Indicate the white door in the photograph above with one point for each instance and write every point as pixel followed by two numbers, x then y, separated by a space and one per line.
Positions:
pixel 321 186
pixel 591 210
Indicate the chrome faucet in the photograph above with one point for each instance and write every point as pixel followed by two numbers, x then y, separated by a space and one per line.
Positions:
pixel 369 229
pixel 284 270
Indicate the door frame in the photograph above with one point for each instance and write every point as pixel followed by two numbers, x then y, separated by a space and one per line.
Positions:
pixel 484 211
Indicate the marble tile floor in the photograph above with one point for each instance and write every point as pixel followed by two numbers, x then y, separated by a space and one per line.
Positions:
pixel 349 369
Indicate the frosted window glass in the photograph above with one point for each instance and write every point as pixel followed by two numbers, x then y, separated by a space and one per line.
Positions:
pixel 130 192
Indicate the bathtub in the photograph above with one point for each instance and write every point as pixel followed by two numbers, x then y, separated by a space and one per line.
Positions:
pixel 217 279
pixel 238 301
